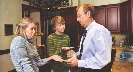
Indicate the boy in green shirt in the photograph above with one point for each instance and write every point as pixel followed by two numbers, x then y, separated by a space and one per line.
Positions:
pixel 56 41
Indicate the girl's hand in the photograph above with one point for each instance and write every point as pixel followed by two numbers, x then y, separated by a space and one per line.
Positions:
pixel 57 58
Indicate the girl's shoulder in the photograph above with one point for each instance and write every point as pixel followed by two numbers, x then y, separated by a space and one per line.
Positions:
pixel 18 39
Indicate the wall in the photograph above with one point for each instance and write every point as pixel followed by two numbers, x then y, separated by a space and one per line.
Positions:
pixel 101 2
pixel 10 13
pixel 95 2
pixel 74 2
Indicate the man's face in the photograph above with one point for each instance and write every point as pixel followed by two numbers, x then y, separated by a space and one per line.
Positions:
pixel 81 17
pixel 59 28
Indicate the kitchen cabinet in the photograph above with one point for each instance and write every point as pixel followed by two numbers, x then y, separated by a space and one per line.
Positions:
pixel 130 16
pixel 69 14
pixel 125 16
pixel 108 16
pixel 113 18
pixel 100 15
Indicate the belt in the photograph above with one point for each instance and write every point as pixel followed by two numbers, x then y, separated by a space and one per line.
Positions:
pixel 87 70
pixel 91 70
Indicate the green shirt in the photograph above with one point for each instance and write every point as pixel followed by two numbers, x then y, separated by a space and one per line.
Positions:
pixel 54 47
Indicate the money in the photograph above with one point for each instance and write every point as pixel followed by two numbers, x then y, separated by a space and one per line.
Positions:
pixel 66 60
pixel 74 55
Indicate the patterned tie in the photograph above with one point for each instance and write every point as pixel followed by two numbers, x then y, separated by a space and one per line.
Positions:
pixel 81 50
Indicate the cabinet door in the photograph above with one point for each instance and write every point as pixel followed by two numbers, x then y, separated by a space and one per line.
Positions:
pixel 100 15
pixel 113 18
pixel 124 17
pixel 72 18
pixel 69 16
pixel 130 16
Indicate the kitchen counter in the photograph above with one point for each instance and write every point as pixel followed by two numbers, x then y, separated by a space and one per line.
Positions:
pixel 119 65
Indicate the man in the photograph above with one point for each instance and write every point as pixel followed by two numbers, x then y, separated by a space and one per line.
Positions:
pixel 95 45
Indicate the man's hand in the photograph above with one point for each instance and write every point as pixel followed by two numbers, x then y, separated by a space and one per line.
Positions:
pixel 73 62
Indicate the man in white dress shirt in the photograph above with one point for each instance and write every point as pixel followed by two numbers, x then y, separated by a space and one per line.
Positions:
pixel 95 45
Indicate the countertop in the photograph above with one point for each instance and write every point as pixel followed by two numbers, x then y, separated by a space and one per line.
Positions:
pixel 119 65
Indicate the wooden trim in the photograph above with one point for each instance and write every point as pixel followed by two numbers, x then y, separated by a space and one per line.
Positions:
pixel 14 70
pixel 4 51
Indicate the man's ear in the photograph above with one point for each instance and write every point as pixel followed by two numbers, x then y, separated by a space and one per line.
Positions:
pixel 88 14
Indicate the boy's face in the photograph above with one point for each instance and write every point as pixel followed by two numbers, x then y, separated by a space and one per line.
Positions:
pixel 59 28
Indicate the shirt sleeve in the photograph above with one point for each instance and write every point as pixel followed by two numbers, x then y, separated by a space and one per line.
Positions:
pixel 41 62
pixel 102 42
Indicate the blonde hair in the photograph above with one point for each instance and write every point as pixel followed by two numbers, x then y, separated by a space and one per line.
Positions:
pixel 22 25
pixel 57 20
pixel 86 8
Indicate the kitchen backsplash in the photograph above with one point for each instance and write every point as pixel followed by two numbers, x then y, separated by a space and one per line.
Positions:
pixel 118 38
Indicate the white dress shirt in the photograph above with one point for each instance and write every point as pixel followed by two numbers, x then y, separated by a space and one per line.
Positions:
pixel 96 47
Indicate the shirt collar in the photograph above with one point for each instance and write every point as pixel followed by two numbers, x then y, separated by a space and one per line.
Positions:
pixel 89 26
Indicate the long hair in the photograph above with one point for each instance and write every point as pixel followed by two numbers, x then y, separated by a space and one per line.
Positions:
pixel 22 25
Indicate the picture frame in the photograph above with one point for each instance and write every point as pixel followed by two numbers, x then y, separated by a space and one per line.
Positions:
pixel 8 29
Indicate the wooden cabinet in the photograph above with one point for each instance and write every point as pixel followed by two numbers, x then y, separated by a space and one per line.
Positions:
pixel 113 18
pixel 125 17
pixel 130 16
pixel 70 16
pixel 100 15
pixel 108 16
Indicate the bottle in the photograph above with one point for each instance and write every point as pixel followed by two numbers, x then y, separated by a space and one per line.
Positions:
pixel 121 43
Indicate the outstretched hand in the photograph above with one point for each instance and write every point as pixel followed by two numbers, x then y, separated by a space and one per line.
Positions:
pixel 57 58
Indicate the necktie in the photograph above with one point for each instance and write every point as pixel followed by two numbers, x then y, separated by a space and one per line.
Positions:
pixel 81 50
